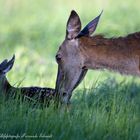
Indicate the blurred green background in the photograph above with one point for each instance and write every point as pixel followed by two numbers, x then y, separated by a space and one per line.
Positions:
pixel 33 31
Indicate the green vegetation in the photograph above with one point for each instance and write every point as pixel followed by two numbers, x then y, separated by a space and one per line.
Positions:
pixel 105 106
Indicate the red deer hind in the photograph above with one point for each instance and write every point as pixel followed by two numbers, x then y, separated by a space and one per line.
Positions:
pixel 80 51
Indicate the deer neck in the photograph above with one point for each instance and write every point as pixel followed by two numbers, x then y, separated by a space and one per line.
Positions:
pixel 117 54
pixel 5 85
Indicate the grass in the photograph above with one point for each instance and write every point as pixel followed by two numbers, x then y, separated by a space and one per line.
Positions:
pixel 105 112
pixel 105 106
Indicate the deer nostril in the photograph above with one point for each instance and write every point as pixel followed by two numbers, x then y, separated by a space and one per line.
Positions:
pixel 58 57
pixel 84 67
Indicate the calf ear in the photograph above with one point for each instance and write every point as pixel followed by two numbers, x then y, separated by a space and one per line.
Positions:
pixel 9 65
pixel 2 66
pixel 3 63
pixel 73 25
pixel 90 27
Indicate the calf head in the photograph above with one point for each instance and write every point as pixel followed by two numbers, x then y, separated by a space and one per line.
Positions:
pixel 5 67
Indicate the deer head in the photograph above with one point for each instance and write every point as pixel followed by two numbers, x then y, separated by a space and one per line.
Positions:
pixel 5 67
pixel 70 59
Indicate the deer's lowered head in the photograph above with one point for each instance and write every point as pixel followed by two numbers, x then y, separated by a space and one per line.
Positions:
pixel 5 67
pixel 70 59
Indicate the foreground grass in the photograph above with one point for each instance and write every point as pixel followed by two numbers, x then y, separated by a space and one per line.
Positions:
pixel 109 111
pixel 33 31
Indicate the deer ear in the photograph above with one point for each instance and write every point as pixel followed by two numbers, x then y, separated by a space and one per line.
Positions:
pixel 90 27
pixel 4 62
pixel 73 25
pixel 9 65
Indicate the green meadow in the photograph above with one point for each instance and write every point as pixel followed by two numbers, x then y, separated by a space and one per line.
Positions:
pixel 106 105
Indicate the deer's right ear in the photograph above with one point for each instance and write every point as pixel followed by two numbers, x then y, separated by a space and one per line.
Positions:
pixel 4 62
pixel 9 65
pixel 90 27
pixel 73 25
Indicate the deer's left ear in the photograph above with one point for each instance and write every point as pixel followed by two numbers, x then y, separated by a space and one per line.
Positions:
pixel 90 27
pixel 73 25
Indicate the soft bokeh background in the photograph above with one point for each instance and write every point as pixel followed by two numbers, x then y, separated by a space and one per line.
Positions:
pixel 33 31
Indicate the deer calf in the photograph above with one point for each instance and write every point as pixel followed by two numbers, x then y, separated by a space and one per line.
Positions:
pixel 36 93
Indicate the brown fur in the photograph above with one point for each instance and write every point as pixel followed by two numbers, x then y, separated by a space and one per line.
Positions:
pixel 120 54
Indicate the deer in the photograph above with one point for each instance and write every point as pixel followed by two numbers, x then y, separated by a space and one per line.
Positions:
pixel 81 51
pixel 41 94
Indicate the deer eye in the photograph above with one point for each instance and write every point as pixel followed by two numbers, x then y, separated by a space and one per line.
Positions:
pixel 58 57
